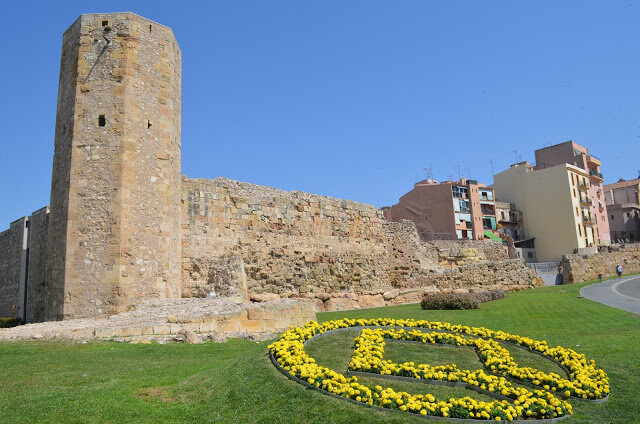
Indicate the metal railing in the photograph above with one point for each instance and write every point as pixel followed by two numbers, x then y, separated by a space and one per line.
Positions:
pixel 596 174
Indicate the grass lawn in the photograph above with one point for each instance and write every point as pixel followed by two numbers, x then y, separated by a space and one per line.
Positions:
pixel 108 382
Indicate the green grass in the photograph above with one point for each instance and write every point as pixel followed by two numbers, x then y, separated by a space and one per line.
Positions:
pixel 108 382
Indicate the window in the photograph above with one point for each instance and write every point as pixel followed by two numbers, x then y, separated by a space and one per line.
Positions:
pixel 612 217
pixel 530 255
pixel 148 124
pixel 460 192
pixel 579 230
pixel 486 195
pixel 105 23
pixel 489 223
pixel 102 121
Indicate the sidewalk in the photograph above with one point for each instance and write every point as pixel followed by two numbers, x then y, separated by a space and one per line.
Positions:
pixel 622 293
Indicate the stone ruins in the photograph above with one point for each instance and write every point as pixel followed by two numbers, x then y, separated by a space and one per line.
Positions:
pixel 125 228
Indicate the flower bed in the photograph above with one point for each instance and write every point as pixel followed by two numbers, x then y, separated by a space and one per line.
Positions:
pixel 513 402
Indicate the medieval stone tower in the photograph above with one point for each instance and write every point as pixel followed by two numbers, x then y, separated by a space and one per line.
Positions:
pixel 114 233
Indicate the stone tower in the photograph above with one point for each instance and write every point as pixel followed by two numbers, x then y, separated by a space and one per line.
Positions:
pixel 114 235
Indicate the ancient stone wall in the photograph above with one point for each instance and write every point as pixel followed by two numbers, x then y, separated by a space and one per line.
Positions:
pixel 38 236
pixel 11 243
pixel 451 250
pixel 23 254
pixel 339 254
pixel 290 243
pixel 579 268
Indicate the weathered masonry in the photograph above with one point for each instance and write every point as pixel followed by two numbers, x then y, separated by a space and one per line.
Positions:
pixel 124 225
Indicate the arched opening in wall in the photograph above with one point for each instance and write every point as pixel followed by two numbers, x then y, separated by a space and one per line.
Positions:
pixel 102 121
pixel 149 28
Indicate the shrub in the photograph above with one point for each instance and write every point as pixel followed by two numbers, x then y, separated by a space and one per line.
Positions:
pixel 489 295
pixel 450 301
pixel 9 322
pixel 496 294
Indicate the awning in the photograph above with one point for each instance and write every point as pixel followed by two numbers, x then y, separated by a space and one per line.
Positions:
pixel 490 235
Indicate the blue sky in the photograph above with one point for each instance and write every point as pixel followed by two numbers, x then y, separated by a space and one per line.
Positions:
pixel 351 99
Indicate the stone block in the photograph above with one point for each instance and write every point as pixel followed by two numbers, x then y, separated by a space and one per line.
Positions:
pixel 229 325
pixel 370 301
pixel 162 329
pixel 341 304
pixel 105 333
pixel 263 297
pixel 124 331
pixel 392 294
pixel 252 326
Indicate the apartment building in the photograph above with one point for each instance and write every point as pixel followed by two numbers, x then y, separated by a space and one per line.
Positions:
pixel 510 224
pixel 574 154
pixel 449 210
pixel 556 209
pixel 623 208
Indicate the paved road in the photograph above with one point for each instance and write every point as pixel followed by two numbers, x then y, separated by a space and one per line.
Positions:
pixel 621 293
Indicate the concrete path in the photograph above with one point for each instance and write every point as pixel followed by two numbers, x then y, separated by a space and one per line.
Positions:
pixel 622 293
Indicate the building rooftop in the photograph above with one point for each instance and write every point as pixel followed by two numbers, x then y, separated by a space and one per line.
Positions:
pixel 622 184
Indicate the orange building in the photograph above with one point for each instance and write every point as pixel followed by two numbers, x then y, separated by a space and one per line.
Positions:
pixel 449 210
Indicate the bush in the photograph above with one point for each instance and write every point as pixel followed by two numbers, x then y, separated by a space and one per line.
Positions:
pixel 9 322
pixel 460 300
pixel 442 301
pixel 496 294
pixel 489 295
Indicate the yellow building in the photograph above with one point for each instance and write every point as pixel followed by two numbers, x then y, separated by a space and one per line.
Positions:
pixel 555 205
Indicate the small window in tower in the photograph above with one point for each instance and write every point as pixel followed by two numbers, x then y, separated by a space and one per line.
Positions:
pixel 149 28
pixel 148 124
pixel 102 121
pixel 105 23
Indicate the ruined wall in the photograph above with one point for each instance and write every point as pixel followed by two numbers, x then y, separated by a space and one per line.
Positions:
pixel 296 244
pixel 38 238
pixel 454 251
pixel 11 243
pixel 290 243
pixel 579 268
pixel 23 254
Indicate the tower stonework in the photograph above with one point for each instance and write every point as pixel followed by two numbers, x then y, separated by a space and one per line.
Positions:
pixel 114 232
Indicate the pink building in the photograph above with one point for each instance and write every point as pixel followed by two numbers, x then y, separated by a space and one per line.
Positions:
pixel 447 211
pixel 574 154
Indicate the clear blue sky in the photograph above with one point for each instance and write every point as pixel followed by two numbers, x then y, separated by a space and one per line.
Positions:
pixel 351 99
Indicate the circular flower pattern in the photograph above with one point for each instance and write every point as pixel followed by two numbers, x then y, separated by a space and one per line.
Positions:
pixel 521 392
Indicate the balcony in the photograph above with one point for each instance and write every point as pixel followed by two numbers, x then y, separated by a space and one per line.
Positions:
pixel 583 185
pixel 487 210
pixel 595 174
pixel 587 219
pixel 585 200
pixel 593 161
